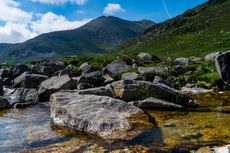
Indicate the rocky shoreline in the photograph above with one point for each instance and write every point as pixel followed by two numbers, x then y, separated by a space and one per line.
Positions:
pixel 108 102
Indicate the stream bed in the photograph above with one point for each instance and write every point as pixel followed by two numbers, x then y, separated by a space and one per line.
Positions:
pixel 29 130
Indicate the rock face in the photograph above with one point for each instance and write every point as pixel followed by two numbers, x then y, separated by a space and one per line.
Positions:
pixel 130 76
pixel 103 116
pixel 223 66
pixel 23 97
pixel 145 57
pixel 153 103
pixel 115 68
pixel 55 84
pixel 181 61
pixel 48 67
pixel 131 90
pixel 4 103
pixel 28 80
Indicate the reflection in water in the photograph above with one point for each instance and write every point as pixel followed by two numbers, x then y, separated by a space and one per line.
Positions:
pixel 30 128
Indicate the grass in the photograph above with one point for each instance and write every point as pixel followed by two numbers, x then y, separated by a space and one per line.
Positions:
pixel 187 35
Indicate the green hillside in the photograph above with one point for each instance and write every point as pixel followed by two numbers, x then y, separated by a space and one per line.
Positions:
pixel 198 31
pixel 96 37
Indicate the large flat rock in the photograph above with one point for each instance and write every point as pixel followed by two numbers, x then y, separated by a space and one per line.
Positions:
pixel 103 116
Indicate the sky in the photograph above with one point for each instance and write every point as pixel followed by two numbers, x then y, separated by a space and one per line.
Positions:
pixel 21 20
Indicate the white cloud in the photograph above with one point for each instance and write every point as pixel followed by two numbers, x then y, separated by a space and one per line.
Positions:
pixel 10 11
pixel 19 25
pixel 60 2
pixel 51 22
pixel 113 8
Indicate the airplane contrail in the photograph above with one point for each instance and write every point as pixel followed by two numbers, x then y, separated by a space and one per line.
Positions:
pixel 166 10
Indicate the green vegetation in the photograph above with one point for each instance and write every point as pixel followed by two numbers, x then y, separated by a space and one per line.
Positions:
pixel 197 32
pixel 95 38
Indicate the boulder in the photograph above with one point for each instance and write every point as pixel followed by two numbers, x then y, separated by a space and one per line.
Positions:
pixel 82 86
pixel 55 84
pixel 28 80
pixel 17 70
pixel 1 87
pixel 154 103
pixel 61 72
pixel 4 103
pixel 85 68
pixel 93 78
pixel 4 73
pixel 211 56
pixel 148 73
pixel 48 67
pixel 115 68
pixel 223 66
pixel 132 90
pixel 108 118
pixel 8 81
pixel 100 91
pixel 181 61
pixel 130 76
pixel 107 79
pixel 159 79
pixel 23 97
pixel 145 57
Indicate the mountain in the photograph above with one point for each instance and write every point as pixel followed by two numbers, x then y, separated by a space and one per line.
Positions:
pixel 201 30
pixel 96 37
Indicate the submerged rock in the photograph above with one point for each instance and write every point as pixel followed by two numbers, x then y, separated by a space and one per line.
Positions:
pixel 23 97
pixel 106 117
pixel 153 103
pixel 223 66
pixel 131 90
pixel 55 84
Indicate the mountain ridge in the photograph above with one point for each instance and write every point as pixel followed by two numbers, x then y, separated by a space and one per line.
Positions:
pixel 98 36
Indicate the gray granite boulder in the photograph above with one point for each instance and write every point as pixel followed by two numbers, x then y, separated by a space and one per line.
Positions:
pixel 28 80
pixel 4 102
pixel 115 68
pixel 55 84
pixel 181 61
pixel 23 97
pixel 108 118
pixel 130 76
pixel 211 56
pixel 132 90
pixel 154 103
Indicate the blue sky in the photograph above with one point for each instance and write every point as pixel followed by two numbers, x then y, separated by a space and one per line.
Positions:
pixel 24 19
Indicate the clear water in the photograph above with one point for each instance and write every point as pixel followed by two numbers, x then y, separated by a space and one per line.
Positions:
pixel 30 128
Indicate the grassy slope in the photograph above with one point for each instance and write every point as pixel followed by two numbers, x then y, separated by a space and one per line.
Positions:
pixel 201 30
